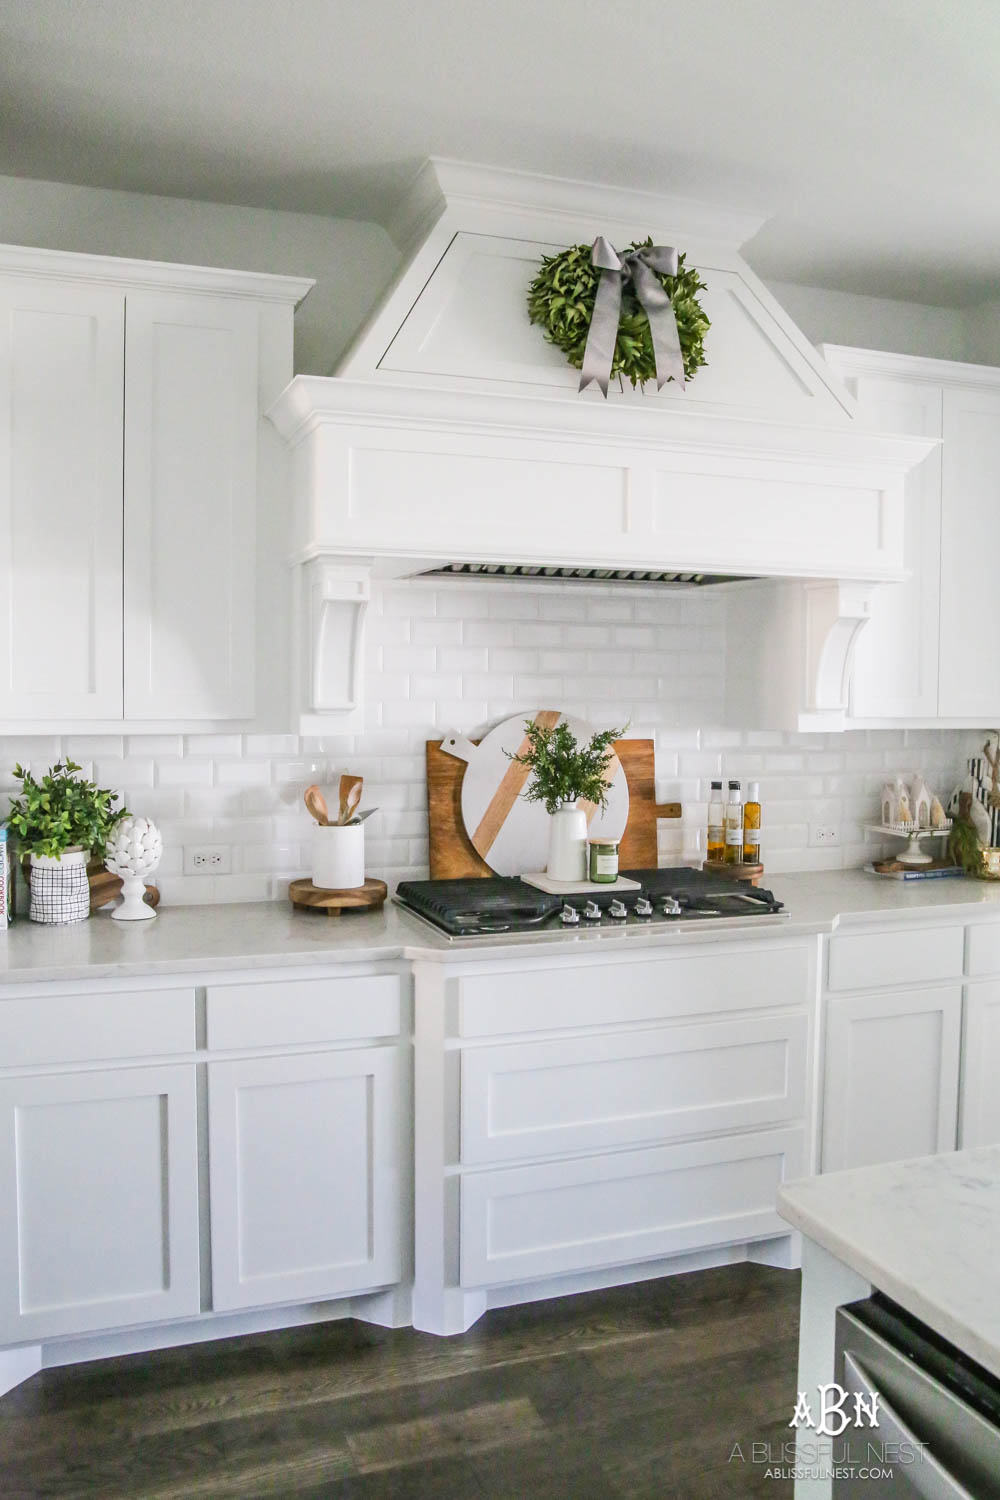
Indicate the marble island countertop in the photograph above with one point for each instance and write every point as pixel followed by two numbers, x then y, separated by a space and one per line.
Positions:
pixel 924 1232
pixel 191 939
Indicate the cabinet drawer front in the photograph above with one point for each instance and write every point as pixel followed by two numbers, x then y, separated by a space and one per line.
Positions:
pixel 286 1012
pixel 866 961
pixel 599 995
pixel 589 1093
pixel 982 952
pixel 526 1222
pixel 53 1029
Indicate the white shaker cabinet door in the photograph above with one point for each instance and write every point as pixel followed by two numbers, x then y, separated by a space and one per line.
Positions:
pixel 970 531
pixel 980 1113
pixel 99 1186
pixel 61 375
pixel 191 417
pixel 895 673
pixel 305 1171
pixel 891 1076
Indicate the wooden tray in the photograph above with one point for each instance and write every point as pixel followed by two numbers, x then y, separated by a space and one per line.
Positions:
pixel 305 896
pixel 751 873
pixel 452 856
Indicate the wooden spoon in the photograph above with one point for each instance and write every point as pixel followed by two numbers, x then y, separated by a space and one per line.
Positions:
pixel 316 803
pixel 350 796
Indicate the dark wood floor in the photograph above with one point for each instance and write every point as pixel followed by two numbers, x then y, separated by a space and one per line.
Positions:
pixel 639 1392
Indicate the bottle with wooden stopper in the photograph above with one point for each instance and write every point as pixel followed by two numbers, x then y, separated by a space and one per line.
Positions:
pixel 751 825
pixel 715 848
pixel 734 825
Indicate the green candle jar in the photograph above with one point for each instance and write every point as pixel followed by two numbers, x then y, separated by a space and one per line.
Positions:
pixel 603 861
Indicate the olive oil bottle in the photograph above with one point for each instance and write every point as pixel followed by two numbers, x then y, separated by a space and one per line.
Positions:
pixel 751 825
pixel 734 825
pixel 715 845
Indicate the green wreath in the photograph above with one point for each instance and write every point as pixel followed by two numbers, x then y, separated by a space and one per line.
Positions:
pixel 561 300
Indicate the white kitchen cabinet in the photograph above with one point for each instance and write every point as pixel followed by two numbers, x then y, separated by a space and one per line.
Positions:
pixel 891 1070
pixel 130 401
pixel 969 673
pixel 979 1121
pixel 191 415
pixel 305 1165
pixel 61 382
pixel 99 1180
pixel 916 660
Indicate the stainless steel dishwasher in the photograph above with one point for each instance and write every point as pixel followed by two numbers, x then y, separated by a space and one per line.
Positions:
pixel 938 1415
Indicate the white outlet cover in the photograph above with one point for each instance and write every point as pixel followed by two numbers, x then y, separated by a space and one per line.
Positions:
pixel 208 859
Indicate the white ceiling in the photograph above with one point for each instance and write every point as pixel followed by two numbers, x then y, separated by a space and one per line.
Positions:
pixel 869 129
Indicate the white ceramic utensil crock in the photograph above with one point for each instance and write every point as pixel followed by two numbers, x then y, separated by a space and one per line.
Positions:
pixel 567 843
pixel 338 856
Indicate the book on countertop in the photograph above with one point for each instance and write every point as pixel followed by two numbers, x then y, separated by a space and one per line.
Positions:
pixel 915 872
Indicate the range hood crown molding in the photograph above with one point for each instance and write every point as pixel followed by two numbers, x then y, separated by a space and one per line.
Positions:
pixel 496 199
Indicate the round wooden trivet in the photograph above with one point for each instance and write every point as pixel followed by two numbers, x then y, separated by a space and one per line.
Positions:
pixel 308 897
pixel 752 873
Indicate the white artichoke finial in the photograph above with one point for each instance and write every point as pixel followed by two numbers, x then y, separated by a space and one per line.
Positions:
pixel 133 851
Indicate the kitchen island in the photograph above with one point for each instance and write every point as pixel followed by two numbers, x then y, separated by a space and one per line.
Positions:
pixel 922 1232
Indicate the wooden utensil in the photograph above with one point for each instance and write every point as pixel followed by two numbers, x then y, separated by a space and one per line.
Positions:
pixel 350 796
pixel 316 803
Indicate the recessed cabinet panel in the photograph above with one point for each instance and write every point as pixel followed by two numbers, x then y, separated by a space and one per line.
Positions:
pixel 190 506
pixel 980 1104
pixel 98 1174
pixel 543 1098
pixel 525 1222
pixel 533 1000
pixel 896 656
pixel 891 1076
pixel 970 601
pixel 61 372
pixel 305 1176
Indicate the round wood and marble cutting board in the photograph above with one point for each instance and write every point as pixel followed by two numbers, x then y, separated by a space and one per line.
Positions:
pixel 508 832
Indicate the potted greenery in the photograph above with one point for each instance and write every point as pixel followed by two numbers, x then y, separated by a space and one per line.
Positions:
pixel 562 775
pixel 59 821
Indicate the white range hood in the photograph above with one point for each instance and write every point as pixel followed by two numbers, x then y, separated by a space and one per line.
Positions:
pixel 453 433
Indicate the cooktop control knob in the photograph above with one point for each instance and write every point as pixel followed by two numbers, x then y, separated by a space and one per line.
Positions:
pixel 618 909
pixel 671 907
pixel 592 911
pixel 570 916
pixel 644 907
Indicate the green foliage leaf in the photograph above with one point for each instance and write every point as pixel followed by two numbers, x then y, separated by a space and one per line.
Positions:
pixel 61 811
pixel 562 771
pixel 565 315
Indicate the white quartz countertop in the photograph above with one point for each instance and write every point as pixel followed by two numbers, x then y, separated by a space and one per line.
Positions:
pixel 924 1232
pixel 191 939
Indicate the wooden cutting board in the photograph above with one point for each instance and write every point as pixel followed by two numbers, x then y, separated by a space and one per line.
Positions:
pixel 510 833
pixel 452 856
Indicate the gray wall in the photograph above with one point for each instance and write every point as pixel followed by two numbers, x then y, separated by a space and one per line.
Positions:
pixel 352 261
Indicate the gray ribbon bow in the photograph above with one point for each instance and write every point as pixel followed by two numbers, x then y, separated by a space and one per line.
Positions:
pixel 637 267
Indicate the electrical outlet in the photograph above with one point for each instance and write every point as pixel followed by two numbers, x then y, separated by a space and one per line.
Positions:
pixel 208 859
pixel 822 836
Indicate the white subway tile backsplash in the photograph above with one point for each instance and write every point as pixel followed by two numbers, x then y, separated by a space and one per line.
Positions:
pixel 463 656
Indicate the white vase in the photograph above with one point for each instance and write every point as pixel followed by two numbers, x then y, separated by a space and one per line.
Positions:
pixel 60 890
pixel 567 843
pixel 338 856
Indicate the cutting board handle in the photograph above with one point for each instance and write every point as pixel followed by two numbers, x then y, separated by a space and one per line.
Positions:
pixel 458 745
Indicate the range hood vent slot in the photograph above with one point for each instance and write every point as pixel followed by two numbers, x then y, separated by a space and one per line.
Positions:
pixel 553 574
